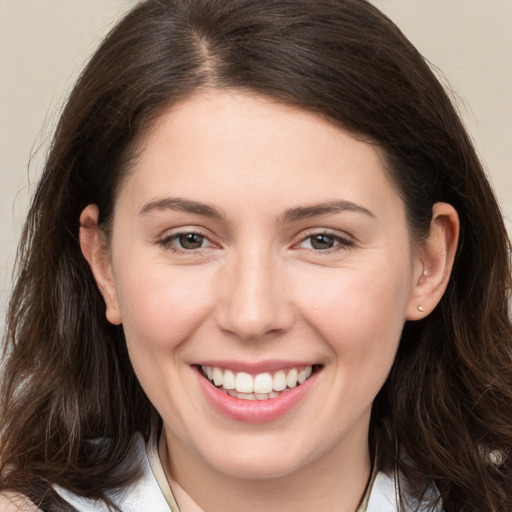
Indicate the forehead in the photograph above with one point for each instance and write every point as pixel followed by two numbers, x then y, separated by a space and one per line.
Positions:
pixel 221 145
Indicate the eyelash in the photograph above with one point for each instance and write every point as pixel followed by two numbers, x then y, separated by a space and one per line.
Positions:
pixel 168 244
pixel 341 243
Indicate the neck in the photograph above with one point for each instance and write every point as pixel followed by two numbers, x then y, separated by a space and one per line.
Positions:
pixel 335 481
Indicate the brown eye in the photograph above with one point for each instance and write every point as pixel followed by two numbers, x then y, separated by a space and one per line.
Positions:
pixel 322 242
pixel 190 240
pixel 325 242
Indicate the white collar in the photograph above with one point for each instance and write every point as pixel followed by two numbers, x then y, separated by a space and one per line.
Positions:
pixel 151 492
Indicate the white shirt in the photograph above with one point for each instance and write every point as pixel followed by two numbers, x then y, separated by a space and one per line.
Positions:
pixel 151 492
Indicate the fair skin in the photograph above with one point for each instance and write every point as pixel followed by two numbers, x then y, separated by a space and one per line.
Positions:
pixel 257 238
pixel 10 502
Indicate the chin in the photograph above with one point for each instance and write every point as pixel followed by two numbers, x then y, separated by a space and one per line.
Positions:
pixel 254 461
pixel 259 470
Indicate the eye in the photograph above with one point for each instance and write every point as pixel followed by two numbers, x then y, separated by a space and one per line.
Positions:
pixel 185 241
pixel 190 241
pixel 324 242
pixel 321 242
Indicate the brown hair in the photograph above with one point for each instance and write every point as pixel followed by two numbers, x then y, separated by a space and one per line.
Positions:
pixel 445 412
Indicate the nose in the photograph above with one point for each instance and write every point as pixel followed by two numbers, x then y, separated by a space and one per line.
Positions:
pixel 252 297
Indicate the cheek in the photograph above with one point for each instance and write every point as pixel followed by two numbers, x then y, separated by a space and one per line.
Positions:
pixel 360 314
pixel 360 320
pixel 160 305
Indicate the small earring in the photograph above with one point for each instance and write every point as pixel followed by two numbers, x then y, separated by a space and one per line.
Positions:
pixel 420 308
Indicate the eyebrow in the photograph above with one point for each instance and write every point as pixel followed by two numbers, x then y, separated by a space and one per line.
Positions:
pixel 291 215
pixel 304 212
pixel 183 205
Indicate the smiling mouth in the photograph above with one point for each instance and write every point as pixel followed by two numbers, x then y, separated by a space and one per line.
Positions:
pixel 262 386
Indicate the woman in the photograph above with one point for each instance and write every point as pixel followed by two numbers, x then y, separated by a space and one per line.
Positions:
pixel 263 270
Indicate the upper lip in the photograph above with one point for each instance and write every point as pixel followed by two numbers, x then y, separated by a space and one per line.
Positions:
pixel 254 367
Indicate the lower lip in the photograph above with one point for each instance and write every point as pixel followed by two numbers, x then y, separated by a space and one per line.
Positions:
pixel 254 411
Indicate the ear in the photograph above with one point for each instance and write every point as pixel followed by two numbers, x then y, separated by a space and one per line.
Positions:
pixel 433 262
pixel 96 253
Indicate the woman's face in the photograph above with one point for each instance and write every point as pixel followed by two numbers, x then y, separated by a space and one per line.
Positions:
pixel 256 245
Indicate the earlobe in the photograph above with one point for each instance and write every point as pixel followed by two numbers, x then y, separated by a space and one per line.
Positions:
pixel 96 253
pixel 434 262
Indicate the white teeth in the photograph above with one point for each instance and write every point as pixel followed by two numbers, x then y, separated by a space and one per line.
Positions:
pixel 258 387
pixel 229 380
pixel 279 381
pixel 263 383
pixel 291 378
pixel 243 383
pixel 218 376
pixel 304 374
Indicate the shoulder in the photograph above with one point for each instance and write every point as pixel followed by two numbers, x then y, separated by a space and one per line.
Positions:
pixel 11 502
pixel 142 495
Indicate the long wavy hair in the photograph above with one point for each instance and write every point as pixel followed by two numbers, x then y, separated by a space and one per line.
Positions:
pixel 444 414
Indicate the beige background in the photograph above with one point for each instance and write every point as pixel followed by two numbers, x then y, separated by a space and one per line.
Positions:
pixel 44 44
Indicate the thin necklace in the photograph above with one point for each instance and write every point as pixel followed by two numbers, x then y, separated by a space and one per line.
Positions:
pixel 158 471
